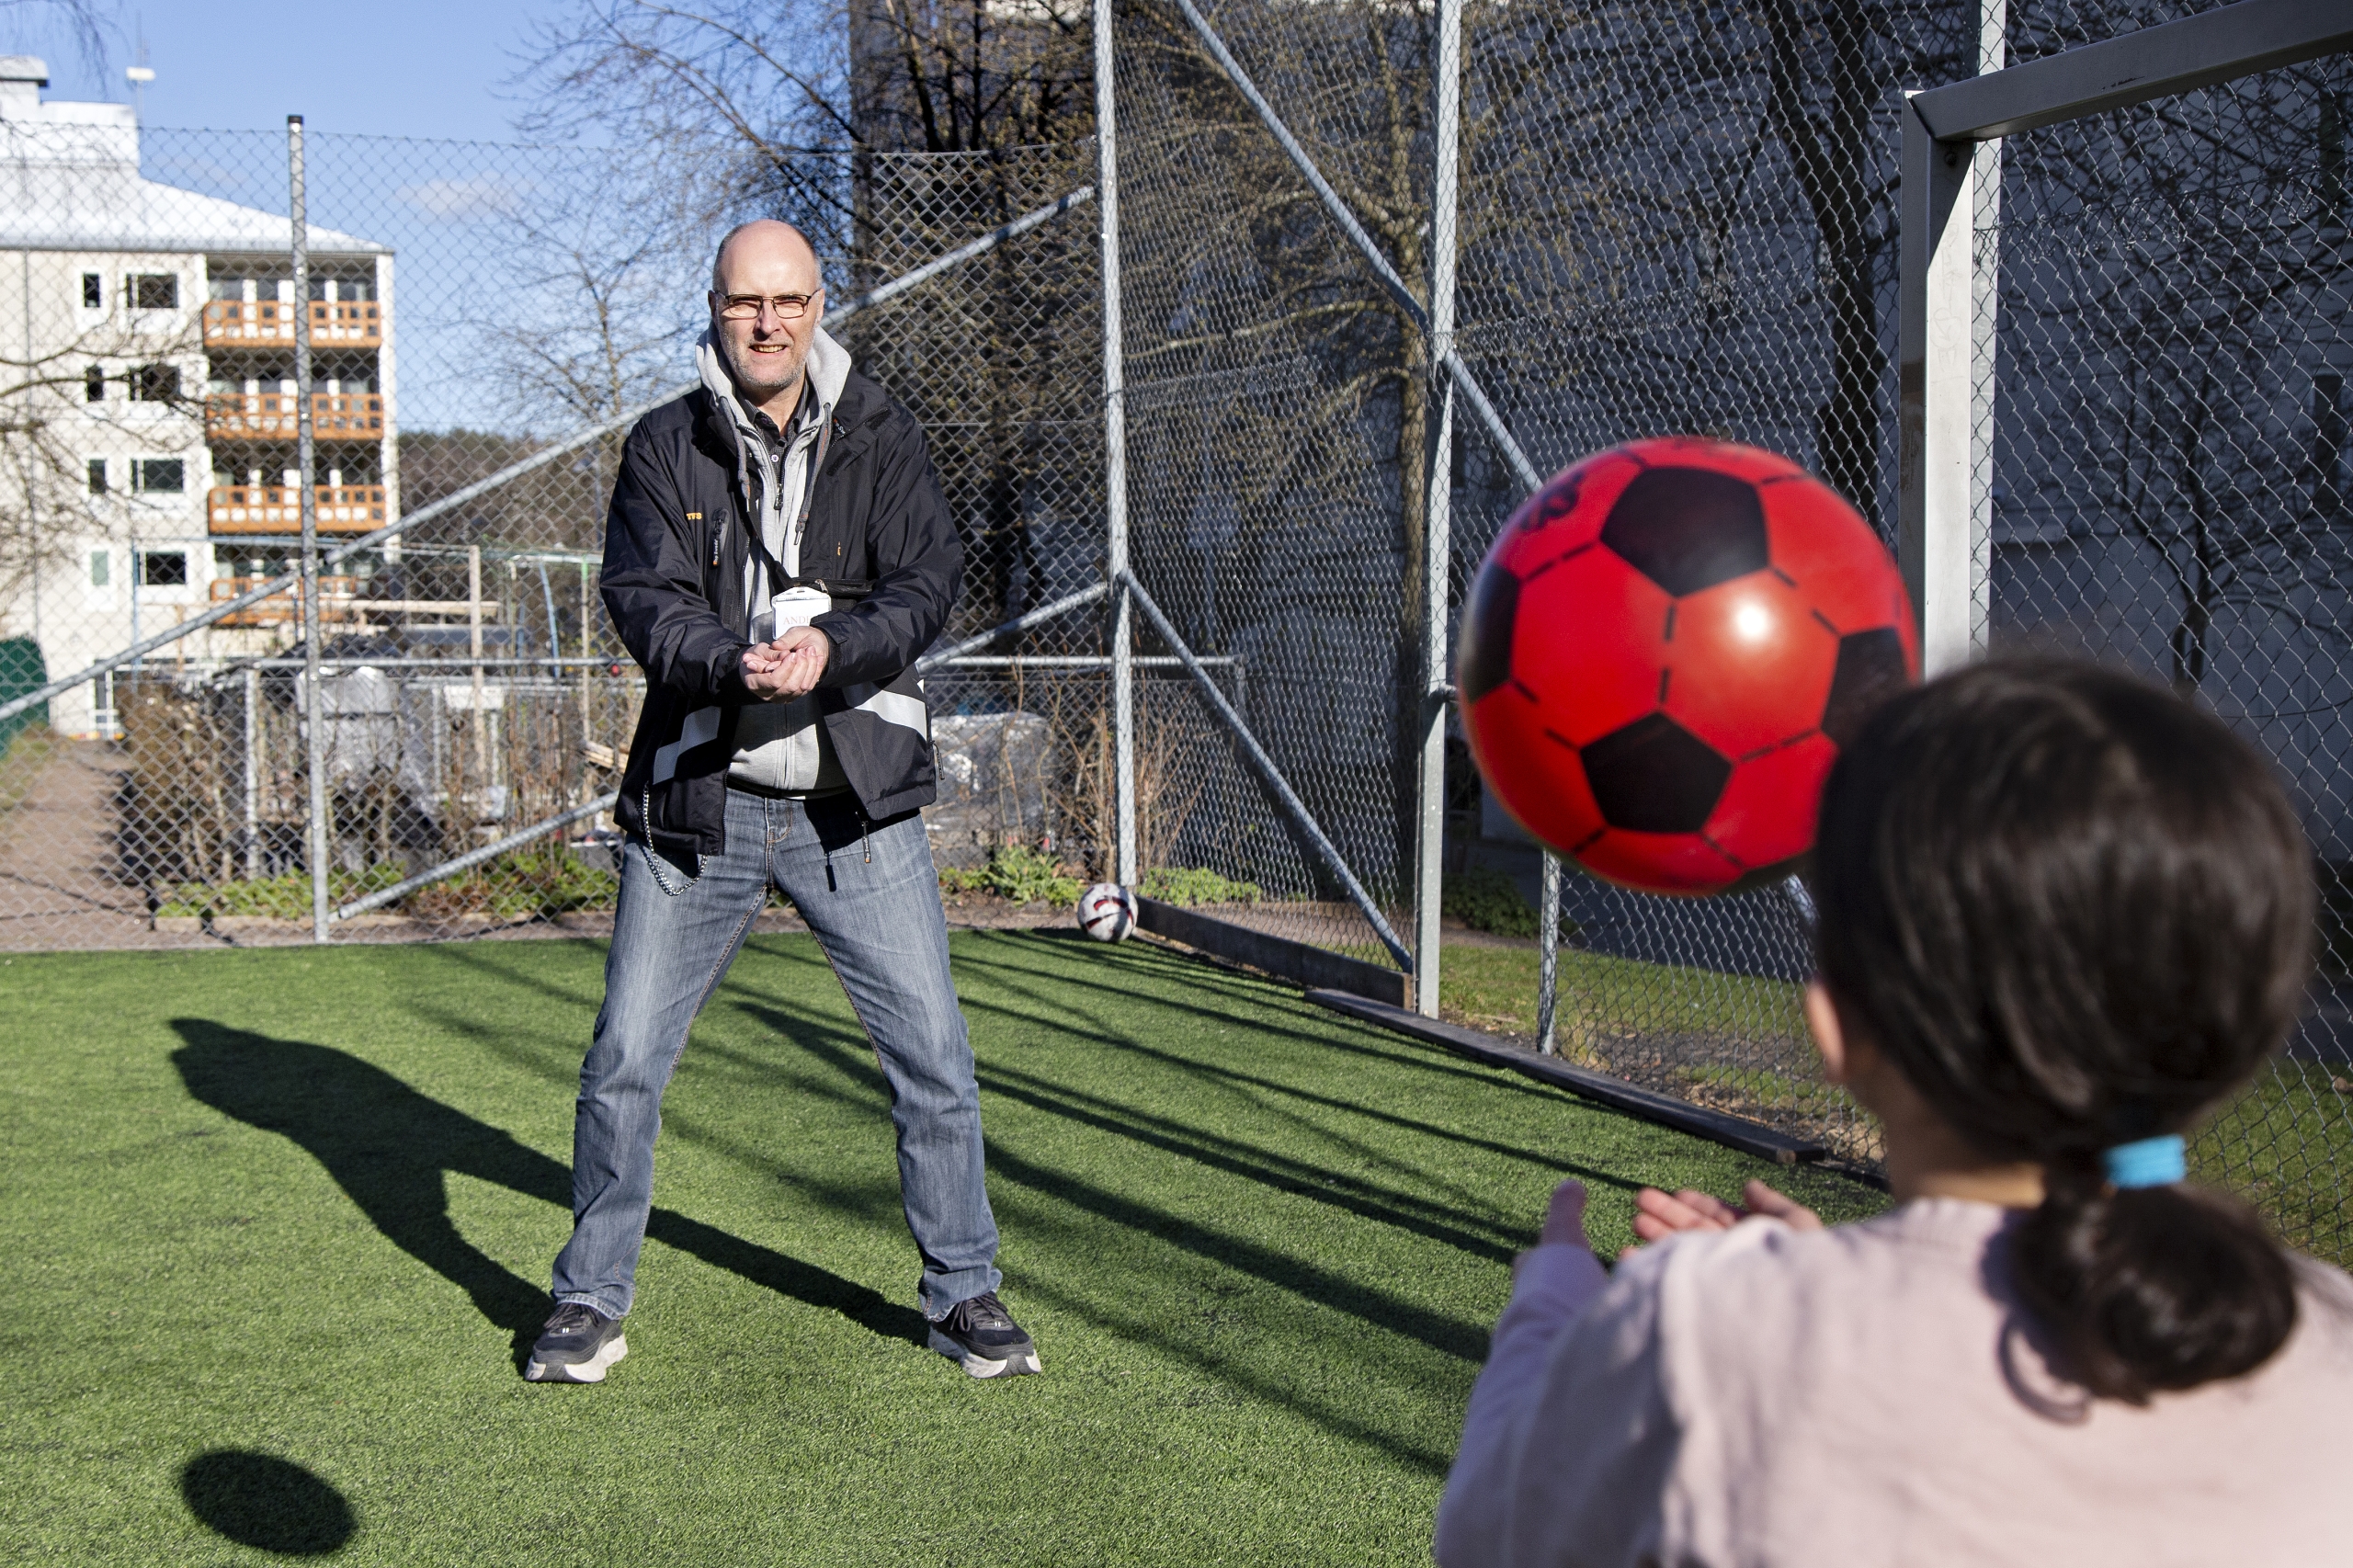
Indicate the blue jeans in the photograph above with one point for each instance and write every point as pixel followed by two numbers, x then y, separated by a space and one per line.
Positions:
pixel 872 897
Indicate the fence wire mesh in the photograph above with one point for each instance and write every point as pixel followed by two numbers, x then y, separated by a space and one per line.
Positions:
pixel 2166 485
pixel 1699 237
pixel 1687 222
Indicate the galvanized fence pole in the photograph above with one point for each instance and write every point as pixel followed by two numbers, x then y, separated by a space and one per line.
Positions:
pixel 1482 408
pixel 1125 871
pixel 1429 847
pixel 1985 287
pixel 313 708
pixel 1934 519
pixel 253 775
pixel 1547 951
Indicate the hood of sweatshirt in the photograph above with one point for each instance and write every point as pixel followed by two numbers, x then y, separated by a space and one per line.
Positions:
pixel 827 369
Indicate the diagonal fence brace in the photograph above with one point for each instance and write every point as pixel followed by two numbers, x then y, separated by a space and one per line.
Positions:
pixel 538 460
pixel 1021 622
pixel 1345 220
pixel 1293 807
pixel 473 858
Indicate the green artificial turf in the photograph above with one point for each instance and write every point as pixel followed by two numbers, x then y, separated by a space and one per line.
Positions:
pixel 279 1223
pixel 1495 988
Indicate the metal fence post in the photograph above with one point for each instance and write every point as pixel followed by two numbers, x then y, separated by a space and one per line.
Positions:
pixel 1985 284
pixel 1429 847
pixel 473 645
pixel 1125 870
pixel 1548 950
pixel 314 706
pixel 252 774
pixel 1935 522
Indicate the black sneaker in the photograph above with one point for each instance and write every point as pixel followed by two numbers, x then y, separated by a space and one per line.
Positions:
pixel 578 1343
pixel 981 1337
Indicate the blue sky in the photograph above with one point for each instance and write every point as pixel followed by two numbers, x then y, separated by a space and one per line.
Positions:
pixel 429 68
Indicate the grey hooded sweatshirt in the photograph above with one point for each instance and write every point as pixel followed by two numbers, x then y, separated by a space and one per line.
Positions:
pixel 780 746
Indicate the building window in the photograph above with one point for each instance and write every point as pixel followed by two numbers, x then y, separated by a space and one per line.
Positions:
pixel 101 568
pixel 94 292
pixel 155 383
pixel 94 385
pixel 155 291
pixel 158 476
pixel 164 568
pixel 98 476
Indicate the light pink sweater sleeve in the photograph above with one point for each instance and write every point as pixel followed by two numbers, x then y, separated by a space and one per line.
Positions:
pixel 1573 1353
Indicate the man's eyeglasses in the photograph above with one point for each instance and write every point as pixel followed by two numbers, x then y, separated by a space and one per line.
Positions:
pixel 745 307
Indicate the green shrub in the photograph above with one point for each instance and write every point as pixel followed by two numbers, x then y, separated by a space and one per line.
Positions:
pixel 286 897
pixel 1485 900
pixel 1191 885
pixel 543 881
pixel 1018 872
pixel 546 880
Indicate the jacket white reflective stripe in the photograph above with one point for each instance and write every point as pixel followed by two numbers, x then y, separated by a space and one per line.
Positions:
pixel 892 707
pixel 701 729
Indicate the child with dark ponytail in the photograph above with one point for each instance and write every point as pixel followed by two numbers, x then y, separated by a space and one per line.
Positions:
pixel 2061 916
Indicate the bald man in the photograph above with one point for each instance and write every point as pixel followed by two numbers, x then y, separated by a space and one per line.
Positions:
pixel 777 555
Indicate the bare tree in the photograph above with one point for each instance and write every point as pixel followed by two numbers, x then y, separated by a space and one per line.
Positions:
pixel 52 401
pixel 2175 301
pixel 83 26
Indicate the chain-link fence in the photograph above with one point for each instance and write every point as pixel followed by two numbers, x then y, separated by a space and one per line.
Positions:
pixel 470 307
pixel 1667 224
pixel 1688 221
pixel 2164 363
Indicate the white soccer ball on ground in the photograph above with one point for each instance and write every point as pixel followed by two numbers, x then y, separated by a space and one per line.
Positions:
pixel 1106 911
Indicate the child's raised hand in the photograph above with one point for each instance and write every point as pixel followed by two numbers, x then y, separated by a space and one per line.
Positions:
pixel 1658 1215
pixel 1565 1216
pixel 1563 1219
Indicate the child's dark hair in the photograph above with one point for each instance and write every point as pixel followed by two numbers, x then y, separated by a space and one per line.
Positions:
pixel 2075 912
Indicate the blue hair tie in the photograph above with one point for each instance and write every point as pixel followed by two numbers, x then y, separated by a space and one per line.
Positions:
pixel 2152 1162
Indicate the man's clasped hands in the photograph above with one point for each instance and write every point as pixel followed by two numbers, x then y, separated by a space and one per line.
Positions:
pixel 788 667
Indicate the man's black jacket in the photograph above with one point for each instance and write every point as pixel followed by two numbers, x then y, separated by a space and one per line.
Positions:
pixel 677 547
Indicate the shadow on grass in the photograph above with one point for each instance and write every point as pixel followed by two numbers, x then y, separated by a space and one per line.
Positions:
pixel 1207 992
pixel 1250 1162
pixel 269 1504
pixel 1366 1302
pixel 390 1149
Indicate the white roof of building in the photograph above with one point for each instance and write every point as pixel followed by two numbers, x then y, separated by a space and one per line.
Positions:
pixel 69 180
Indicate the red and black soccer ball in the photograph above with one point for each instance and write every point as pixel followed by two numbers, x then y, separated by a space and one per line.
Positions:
pixel 1662 652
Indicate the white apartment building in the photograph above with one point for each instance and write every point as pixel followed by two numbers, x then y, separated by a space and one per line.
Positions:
pixel 148 384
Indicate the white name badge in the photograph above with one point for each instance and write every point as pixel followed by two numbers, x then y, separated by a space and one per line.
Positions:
pixel 798 607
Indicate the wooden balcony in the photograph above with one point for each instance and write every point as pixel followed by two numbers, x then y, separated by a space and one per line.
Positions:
pixel 270 416
pixel 278 509
pixel 267 323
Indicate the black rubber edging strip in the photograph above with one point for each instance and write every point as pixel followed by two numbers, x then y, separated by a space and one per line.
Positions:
pixel 1733 1132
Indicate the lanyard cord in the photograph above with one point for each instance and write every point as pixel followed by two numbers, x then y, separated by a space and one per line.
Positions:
pixel 779 578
